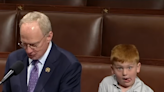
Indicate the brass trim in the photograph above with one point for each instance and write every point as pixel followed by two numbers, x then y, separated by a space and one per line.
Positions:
pixel 105 10
pixel 20 7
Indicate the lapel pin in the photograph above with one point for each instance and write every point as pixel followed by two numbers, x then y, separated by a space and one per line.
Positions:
pixel 47 69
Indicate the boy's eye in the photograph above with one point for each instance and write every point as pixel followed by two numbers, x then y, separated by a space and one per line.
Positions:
pixel 119 68
pixel 130 67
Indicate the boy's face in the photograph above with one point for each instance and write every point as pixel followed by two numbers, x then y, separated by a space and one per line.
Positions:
pixel 126 73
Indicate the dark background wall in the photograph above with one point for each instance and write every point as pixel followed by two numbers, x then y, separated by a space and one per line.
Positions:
pixel 134 4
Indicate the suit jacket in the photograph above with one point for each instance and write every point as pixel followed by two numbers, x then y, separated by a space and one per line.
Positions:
pixel 64 74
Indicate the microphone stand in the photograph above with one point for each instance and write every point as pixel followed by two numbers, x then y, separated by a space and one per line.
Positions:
pixel 6 76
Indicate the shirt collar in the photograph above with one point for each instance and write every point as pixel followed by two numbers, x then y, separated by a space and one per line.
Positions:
pixel 115 83
pixel 44 57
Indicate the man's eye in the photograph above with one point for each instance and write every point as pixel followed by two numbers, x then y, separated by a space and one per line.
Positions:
pixel 33 45
pixel 23 44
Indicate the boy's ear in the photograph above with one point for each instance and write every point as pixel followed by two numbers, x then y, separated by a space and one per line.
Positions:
pixel 138 67
pixel 112 69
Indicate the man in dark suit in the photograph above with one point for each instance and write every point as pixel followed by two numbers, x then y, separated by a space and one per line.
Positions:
pixel 48 68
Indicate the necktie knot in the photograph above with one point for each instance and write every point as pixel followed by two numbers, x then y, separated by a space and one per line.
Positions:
pixel 35 62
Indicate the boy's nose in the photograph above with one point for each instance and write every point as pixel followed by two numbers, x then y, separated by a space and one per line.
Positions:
pixel 124 72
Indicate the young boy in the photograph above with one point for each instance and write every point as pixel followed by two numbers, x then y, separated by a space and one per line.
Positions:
pixel 125 66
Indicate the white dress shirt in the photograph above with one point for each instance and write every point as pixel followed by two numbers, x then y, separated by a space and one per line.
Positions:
pixel 40 64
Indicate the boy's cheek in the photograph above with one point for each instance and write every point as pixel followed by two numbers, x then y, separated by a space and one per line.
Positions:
pixel 118 74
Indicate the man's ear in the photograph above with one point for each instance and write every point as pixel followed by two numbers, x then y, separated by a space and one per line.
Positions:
pixel 49 36
pixel 138 67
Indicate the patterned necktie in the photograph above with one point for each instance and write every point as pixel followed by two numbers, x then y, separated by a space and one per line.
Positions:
pixel 33 76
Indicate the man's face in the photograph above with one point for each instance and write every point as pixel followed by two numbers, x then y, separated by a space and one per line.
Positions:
pixel 126 73
pixel 33 41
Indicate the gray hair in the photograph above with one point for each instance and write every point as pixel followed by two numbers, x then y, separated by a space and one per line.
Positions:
pixel 43 21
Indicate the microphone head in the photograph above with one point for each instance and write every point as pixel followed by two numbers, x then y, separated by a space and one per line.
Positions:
pixel 17 67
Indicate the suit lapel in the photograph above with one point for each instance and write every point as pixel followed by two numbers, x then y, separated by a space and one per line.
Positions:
pixel 48 68
pixel 23 75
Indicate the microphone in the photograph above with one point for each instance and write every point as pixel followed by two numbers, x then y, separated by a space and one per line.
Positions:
pixel 15 69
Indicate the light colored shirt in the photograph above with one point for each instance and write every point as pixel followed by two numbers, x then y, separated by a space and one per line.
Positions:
pixel 40 64
pixel 110 84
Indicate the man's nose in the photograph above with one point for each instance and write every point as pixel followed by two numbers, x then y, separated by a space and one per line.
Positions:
pixel 28 49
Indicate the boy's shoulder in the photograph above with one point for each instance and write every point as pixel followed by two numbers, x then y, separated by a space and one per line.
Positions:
pixel 106 84
pixel 144 87
pixel 148 89
pixel 110 80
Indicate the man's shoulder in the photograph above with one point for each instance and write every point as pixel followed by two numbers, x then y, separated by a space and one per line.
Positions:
pixel 66 55
pixel 17 53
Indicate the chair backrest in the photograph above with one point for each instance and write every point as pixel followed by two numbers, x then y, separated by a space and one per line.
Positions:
pixel 152 76
pixel 8 33
pixel 144 31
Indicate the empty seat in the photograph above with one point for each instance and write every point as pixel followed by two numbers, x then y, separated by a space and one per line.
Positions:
pixel 8 33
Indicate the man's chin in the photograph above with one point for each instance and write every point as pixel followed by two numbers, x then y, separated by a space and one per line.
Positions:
pixel 32 57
